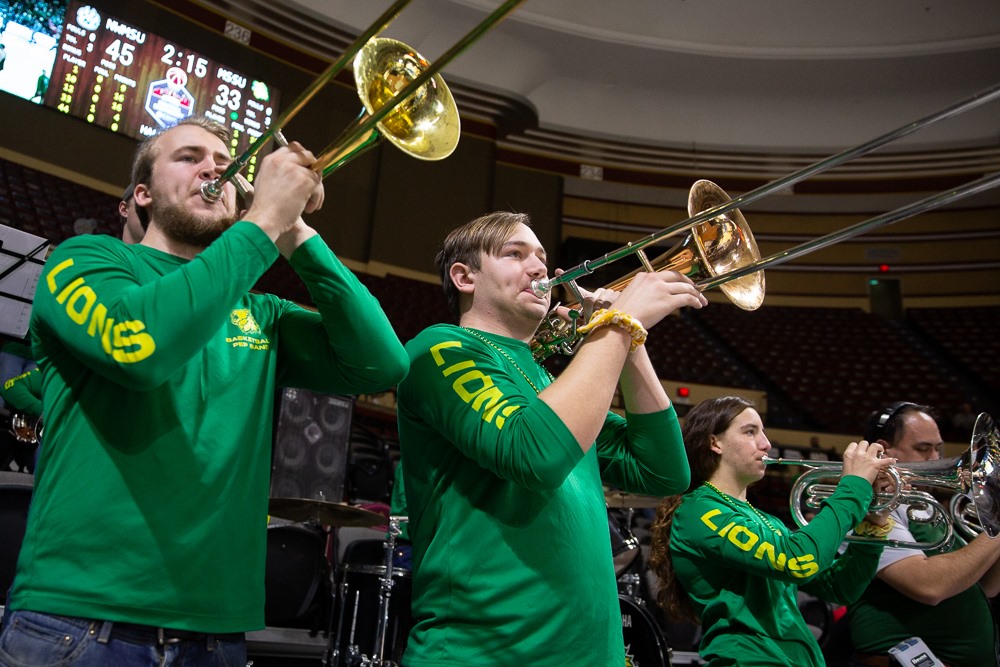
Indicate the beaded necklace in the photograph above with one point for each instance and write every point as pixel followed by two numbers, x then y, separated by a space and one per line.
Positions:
pixel 729 501
pixel 509 358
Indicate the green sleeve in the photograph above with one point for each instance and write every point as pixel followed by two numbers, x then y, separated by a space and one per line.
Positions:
pixel 24 392
pixel 711 530
pixel 474 400
pixel 644 453
pixel 138 332
pixel 349 346
pixel 849 576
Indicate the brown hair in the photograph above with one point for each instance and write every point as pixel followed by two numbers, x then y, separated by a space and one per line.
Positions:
pixel 464 245
pixel 708 418
pixel 145 154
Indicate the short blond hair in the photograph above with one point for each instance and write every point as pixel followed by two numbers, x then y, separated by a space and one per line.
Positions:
pixel 145 154
pixel 465 245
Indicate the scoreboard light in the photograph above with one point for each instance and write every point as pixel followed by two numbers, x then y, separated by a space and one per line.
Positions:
pixel 126 79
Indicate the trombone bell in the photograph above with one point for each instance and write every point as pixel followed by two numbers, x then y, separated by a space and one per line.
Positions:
pixel 725 244
pixel 714 247
pixel 426 125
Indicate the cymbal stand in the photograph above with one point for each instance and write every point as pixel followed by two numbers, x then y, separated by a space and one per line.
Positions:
pixel 630 582
pixel 353 657
pixel 385 594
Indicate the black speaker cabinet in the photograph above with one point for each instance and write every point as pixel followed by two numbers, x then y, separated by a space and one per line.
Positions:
pixel 310 446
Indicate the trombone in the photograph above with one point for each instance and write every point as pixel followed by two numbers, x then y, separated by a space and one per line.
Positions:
pixel 391 78
pixel 742 260
pixel 974 475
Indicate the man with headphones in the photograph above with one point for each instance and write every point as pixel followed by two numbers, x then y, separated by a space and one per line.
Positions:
pixel 940 596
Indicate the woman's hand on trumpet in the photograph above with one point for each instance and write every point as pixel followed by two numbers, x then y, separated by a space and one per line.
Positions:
pixel 883 485
pixel 865 460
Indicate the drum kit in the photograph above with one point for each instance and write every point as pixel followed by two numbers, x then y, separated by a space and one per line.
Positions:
pixel 364 603
pixel 645 643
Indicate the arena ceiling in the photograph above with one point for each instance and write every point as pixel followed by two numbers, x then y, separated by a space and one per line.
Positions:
pixel 665 84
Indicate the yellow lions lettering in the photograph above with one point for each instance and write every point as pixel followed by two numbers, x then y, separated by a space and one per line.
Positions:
pixel 125 342
pixel 474 387
pixel 743 538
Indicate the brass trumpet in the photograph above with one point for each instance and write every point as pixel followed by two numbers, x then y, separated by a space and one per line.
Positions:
pixel 975 473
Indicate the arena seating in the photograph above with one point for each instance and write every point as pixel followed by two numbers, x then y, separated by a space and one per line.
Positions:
pixel 824 369
pixel 968 335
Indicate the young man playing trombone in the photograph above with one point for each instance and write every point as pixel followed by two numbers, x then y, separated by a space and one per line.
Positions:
pixel 941 596
pixel 504 463
pixel 146 537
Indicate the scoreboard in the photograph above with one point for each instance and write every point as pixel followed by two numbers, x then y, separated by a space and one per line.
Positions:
pixel 126 79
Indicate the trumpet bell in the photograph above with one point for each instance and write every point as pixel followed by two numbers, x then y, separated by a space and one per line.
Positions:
pixel 725 244
pixel 426 125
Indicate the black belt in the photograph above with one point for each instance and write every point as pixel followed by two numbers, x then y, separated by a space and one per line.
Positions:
pixel 148 635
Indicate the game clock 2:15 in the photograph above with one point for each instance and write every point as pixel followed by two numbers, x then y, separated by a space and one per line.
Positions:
pixel 124 78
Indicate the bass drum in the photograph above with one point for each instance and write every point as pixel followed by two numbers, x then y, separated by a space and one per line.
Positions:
pixel 644 643
pixel 297 580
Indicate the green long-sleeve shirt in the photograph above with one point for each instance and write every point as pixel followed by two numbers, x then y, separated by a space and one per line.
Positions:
pixel 159 374
pixel 742 569
pixel 511 548
pixel 23 393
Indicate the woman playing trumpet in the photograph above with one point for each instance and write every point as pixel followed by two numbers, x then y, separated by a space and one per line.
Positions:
pixel 738 570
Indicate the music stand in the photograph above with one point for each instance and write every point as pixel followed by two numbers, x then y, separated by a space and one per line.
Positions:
pixel 22 256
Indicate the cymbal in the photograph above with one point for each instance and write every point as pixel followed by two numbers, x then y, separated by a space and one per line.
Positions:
pixel 331 514
pixel 623 500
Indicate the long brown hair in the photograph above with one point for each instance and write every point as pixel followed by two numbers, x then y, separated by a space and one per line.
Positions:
pixel 708 418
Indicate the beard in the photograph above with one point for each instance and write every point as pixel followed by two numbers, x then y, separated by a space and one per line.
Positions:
pixel 179 224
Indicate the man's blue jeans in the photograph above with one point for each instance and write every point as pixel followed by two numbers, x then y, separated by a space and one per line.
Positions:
pixel 32 639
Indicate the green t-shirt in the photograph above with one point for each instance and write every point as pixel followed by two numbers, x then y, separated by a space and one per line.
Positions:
pixel 511 549
pixel 150 501
pixel 742 569
pixel 960 630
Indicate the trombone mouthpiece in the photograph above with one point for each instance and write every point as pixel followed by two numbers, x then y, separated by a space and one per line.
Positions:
pixel 541 286
pixel 210 191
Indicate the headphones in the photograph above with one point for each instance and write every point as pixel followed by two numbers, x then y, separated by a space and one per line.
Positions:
pixel 875 428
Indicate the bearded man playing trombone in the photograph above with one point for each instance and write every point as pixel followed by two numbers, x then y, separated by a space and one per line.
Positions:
pixel 940 597
pixel 503 463
pixel 145 542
